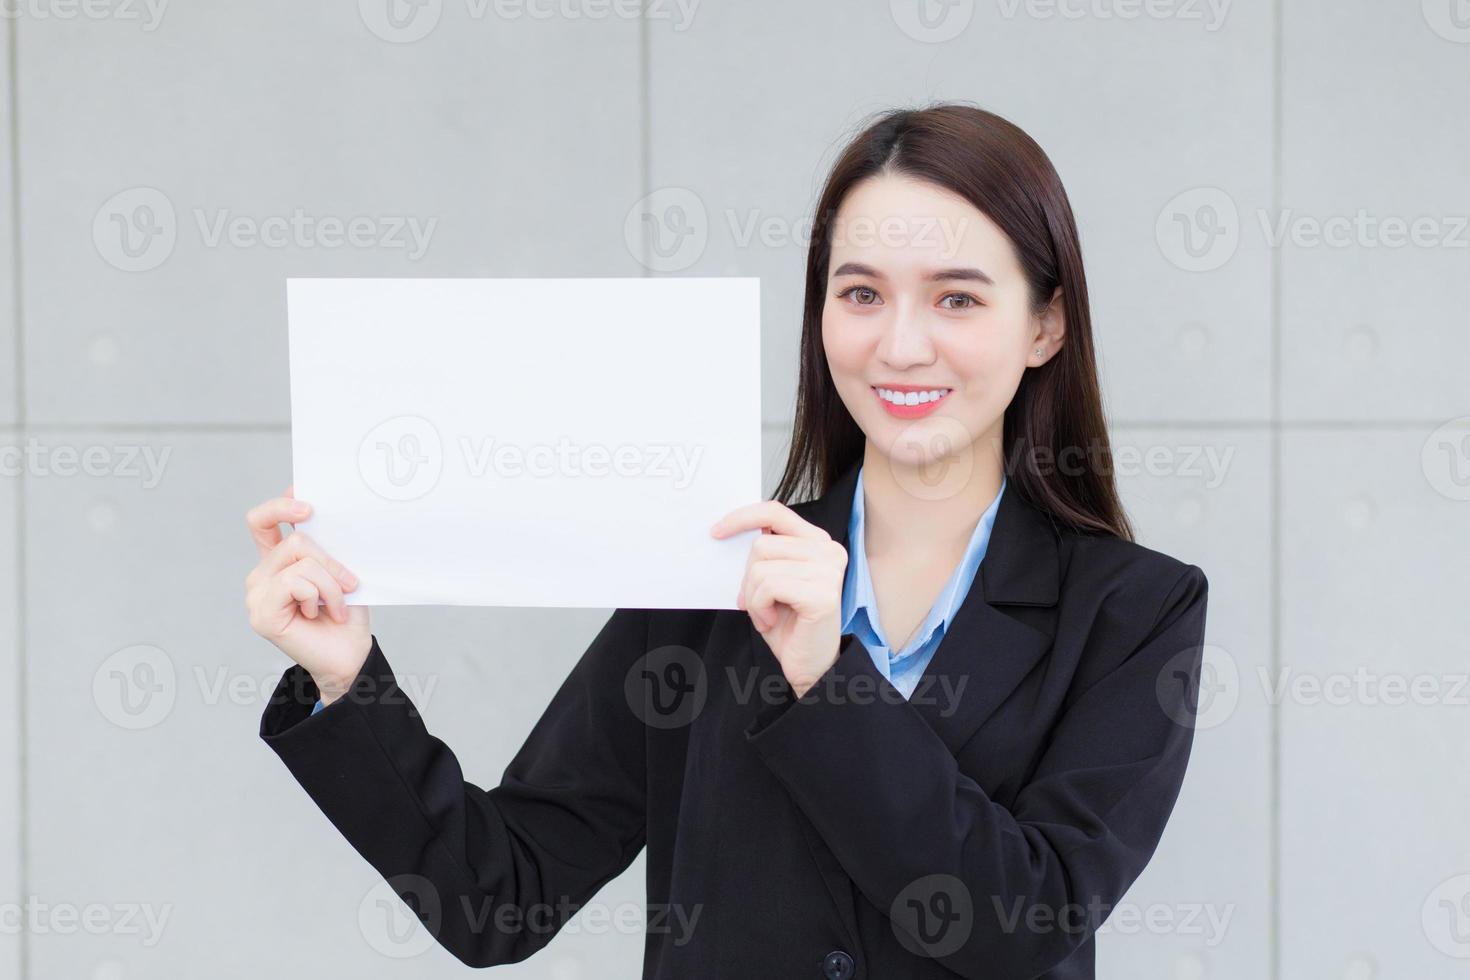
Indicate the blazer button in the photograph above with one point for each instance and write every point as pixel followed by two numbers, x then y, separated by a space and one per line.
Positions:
pixel 837 965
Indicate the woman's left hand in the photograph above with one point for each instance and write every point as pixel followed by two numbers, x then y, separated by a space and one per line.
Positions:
pixel 792 588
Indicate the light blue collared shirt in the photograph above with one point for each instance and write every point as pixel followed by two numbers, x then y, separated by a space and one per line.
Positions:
pixel 860 606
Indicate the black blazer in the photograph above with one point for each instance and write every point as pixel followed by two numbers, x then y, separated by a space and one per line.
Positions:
pixel 984 828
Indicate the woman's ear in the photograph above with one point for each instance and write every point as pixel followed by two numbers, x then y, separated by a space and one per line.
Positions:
pixel 1051 329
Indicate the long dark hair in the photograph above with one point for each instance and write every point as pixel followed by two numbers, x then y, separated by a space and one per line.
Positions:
pixel 1056 414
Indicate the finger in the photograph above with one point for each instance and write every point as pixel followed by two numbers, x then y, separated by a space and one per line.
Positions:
pixel 768 581
pixel 812 559
pixel 785 546
pixel 300 545
pixel 764 607
pixel 769 598
pixel 812 552
pixel 781 570
pixel 771 514
pixel 265 520
pixel 326 587
pixel 748 585
pixel 291 588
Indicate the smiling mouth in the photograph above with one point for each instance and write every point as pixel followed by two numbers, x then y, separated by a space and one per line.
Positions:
pixel 910 403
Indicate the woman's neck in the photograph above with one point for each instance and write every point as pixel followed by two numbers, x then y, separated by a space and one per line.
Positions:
pixel 908 513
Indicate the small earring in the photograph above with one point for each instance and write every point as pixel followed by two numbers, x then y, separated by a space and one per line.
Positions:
pixel 1038 352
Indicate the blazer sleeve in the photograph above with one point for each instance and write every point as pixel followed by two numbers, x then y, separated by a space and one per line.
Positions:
pixel 1021 888
pixel 493 874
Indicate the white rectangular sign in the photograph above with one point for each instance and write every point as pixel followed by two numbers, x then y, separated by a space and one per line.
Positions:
pixel 528 442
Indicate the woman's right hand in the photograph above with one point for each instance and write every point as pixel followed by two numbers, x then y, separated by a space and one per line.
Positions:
pixel 296 599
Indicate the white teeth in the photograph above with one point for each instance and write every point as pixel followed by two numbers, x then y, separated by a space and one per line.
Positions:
pixel 912 397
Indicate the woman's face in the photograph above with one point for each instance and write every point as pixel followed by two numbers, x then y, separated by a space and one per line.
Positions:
pixel 925 297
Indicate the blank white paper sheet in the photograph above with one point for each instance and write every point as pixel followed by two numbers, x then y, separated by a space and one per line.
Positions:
pixel 528 442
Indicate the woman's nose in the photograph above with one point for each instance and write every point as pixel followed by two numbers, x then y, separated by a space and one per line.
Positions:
pixel 906 339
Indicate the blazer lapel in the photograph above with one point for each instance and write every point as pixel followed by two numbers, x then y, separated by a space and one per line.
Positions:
pixel 986 651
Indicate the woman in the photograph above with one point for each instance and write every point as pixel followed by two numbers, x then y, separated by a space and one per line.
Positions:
pixel 946 730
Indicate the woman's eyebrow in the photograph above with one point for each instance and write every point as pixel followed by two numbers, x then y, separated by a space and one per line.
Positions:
pixel 939 275
pixel 965 273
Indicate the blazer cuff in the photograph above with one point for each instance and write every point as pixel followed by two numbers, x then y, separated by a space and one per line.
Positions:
pixel 291 702
pixel 852 657
pixel 296 695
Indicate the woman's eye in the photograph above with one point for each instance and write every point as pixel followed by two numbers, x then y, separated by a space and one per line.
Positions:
pixel 966 299
pixel 863 295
